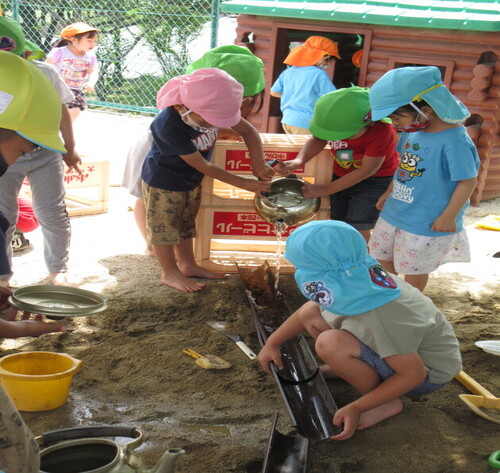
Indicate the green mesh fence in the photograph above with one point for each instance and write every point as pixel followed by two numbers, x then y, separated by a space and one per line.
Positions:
pixel 141 45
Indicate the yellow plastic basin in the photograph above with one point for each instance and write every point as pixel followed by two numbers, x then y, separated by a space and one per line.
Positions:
pixel 38 380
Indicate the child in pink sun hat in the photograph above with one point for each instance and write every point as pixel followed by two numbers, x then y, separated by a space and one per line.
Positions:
pixel 184 134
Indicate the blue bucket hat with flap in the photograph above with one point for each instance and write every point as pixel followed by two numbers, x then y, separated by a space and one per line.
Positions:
pixel 334 269
pixel 401 86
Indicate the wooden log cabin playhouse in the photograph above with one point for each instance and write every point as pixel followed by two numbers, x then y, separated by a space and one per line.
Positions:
pixel 461 38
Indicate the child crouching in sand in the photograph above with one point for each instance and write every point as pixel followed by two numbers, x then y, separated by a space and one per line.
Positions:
pixel 184 135
pixel 378 333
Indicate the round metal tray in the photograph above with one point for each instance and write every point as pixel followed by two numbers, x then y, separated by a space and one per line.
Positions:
pixel 58 301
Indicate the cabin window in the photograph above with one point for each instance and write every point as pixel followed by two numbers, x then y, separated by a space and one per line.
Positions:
pixel 446 67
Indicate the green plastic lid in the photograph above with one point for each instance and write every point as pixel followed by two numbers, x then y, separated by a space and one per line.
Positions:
pixel 340 114
pixel 237 61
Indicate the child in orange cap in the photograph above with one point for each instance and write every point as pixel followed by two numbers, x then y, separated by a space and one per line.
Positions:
pixel 76 62
pixel 193 107
pixel 304 82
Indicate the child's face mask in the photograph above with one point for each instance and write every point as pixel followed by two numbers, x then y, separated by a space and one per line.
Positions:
pixel 415 125
pixel 189 121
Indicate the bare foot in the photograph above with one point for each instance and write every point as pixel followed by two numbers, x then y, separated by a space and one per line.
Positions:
pixel 181 283
pixel 196 271
pixel 60 279
pixel 378 414
pixel 327 372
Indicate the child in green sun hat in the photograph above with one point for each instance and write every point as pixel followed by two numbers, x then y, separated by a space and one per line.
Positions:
pixel 364 156
pixel 44 168
pixel 30 114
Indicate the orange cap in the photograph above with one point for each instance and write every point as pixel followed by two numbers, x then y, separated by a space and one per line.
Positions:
pixel 357 57
pixel 76 28
pixel 311 52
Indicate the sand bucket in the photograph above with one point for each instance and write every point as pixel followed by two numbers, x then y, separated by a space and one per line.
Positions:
pixel 38 380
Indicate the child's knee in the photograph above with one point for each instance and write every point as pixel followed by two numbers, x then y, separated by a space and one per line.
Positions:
pixel 338 342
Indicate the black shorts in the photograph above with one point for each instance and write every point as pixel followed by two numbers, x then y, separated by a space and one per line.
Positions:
pixel 79 101
pixel 356 205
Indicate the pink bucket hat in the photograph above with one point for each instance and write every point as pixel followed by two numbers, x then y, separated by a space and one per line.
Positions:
pixel 211 93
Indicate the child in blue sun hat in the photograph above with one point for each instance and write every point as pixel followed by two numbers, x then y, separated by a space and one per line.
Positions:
pixel 420 226
pixel 378 333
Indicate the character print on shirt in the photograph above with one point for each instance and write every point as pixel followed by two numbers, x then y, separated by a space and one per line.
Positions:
pixel 206 140
pixel 318 292
pixel 343 156
pixel 381 277
pixel 408 167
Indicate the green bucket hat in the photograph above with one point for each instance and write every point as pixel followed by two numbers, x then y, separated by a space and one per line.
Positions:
pixel 36 52
pixel 238 62
pixel 341 114
pixel 12 39
pixel 11 36
pixel 29 103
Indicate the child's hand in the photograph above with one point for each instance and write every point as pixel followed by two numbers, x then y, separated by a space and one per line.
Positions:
pixel 292 164
pixel 348 417
pixel 381 201
pixel 310 191
pixel 73 161
pixel 88 89
pixel 263 171
pixel 5 292
pixel 270 353
pixel 253 185
pixel 282 169
pixel 444 224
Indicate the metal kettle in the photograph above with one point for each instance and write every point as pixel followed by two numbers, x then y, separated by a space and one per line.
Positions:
pixel 285 203
pixel 80 450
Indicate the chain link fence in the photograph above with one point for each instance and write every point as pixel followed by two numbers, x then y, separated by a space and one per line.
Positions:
pixel 142 43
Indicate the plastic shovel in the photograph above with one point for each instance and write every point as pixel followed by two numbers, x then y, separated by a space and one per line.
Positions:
pixel 209 362
pixel 483 399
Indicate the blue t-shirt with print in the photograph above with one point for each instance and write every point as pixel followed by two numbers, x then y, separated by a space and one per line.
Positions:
pixel 300 87
pixel 163 167
pixel 431 165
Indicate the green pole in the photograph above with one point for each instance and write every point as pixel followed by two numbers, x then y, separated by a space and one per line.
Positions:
pixel 15 10
pixel 214 23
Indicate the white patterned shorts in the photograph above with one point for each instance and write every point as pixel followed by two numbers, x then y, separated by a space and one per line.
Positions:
pixel 416 254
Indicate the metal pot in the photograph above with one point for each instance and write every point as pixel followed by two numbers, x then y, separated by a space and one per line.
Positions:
pixel 79 450
pixel 285 202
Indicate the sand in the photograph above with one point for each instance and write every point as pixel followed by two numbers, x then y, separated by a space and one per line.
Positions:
pixel 134 372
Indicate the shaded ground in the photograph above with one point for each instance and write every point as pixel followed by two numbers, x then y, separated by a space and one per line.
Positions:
pixel 134 371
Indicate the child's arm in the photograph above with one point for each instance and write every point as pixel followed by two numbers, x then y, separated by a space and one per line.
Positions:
pixel 381 200
pixel 369 166
pixel 275 94
pixel 409 372
pixel 446 222
pixel 197 161
pixel 71 158
pixel 27 328
pixel 312 147
pixel 251 138
pixel 93 76
pixel 307 317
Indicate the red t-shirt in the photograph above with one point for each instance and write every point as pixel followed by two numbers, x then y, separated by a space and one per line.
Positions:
pixel 379 140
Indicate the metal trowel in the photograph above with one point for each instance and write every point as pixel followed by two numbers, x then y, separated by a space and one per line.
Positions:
pixel 219 326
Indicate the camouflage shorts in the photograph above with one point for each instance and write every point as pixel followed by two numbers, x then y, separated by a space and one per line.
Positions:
pixel 170 215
